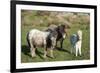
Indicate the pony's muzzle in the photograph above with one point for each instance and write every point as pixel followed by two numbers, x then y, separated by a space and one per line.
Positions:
pixel 64 35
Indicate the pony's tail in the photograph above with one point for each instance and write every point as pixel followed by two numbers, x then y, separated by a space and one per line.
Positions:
pixel 28 39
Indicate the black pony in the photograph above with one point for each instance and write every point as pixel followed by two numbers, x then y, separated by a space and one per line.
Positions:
pixel 61 32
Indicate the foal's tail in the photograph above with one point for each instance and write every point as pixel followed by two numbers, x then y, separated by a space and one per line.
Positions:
pixel 27 38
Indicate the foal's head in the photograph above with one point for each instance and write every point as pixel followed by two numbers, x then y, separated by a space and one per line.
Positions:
pixel 79 33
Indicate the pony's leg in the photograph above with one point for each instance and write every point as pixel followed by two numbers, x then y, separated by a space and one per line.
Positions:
pixel 51 53
pixel 32 49
pixel 33 52
pixel 61 43
pixel 45 53
pixel 56 44
pixel 45 48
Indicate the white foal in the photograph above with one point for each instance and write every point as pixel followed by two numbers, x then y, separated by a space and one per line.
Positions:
pixel 78 44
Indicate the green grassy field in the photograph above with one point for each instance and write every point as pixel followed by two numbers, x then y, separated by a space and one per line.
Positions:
pixel 60 54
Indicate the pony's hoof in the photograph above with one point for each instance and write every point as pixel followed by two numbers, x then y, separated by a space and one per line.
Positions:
pixel 80 55
pixel 44 57
pixel 33 56
pixel 52 57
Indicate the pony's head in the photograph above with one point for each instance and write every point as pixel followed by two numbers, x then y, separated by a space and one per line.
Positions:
pixel 62 30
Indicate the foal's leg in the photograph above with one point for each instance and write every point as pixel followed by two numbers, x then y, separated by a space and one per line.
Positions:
pixel 72 48
pixel 61 43
pixel 76 49
pixel 80 48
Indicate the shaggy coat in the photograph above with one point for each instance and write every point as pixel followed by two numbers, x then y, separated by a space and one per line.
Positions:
pixel 45 39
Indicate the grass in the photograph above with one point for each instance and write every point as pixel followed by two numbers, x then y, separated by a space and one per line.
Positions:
pixel 64 54
pixel 29 19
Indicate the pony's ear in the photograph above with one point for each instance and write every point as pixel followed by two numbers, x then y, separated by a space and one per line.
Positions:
pixel 57 28
pixel 68 27
pixel 59 25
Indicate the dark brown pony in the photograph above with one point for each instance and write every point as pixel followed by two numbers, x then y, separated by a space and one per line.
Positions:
pixel 61 31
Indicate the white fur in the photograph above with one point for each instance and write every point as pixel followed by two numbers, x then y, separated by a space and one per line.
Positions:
pixel 78 44
pixel 38 38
